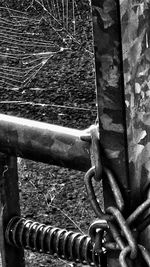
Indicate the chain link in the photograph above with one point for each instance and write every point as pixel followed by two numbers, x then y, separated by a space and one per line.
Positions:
pixel 112 222
pixel 126 232
pixel 92 136
pixel 92 197
pixel 96 232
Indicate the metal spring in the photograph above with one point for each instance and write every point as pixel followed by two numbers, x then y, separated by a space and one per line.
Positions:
pixel 51 240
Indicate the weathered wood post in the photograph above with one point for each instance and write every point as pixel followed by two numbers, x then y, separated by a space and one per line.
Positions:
pixel 9 207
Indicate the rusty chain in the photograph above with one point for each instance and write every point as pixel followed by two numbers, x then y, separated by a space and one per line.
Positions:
pixel 123 232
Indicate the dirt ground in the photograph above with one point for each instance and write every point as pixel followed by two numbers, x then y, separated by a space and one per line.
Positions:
pixel 65 87
pixel 54 196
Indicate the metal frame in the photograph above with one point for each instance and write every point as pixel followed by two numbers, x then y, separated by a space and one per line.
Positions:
pixel 44 142
pixel 112 118
pixel 119 127
pixel 123 108
pixel 9 207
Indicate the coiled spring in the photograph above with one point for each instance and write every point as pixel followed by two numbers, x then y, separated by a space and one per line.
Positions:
pixel 67 245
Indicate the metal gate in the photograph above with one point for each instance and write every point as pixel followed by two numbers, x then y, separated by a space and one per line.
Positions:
pixel 115 150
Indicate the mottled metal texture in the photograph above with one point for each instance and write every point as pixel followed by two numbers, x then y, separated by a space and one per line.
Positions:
pixel 110 91
pixel 44 142
pixel 111 101
pixel 121 33
pixel 135 27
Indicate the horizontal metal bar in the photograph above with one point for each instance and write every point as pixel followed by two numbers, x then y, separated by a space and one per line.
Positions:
pixel 44 142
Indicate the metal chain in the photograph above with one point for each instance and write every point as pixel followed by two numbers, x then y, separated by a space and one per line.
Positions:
pixel 92 136
pixel 123 231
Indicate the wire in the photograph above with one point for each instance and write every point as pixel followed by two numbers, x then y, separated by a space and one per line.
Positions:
pixel 67 14
pixel 57 5
pixel 46 105
pixel 23 53
pixel 63 13
pixel 73 18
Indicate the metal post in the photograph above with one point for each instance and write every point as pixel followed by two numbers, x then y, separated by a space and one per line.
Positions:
pixel 110 91
pixel 121 36
pixel 135 30
pixel 9 207
pixel 111 101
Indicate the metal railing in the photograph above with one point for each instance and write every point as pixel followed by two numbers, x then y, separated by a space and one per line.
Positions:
pixel 121 232
pixel 50 144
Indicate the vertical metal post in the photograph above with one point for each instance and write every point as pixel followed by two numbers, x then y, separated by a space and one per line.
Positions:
pixel 110 90
pixel 122 55
pixel 9 207
pixel 135 29
pixel 111 101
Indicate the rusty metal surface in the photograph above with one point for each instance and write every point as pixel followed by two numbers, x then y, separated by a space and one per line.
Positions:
pixel 44 142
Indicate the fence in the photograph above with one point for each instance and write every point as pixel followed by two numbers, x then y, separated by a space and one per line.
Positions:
pixel 49 144
pixel 68 148
pixel 123 111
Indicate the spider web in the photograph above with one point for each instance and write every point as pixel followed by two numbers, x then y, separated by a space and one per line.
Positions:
pixel 25 46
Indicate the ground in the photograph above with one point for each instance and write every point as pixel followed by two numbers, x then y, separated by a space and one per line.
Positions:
pixel 62 93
